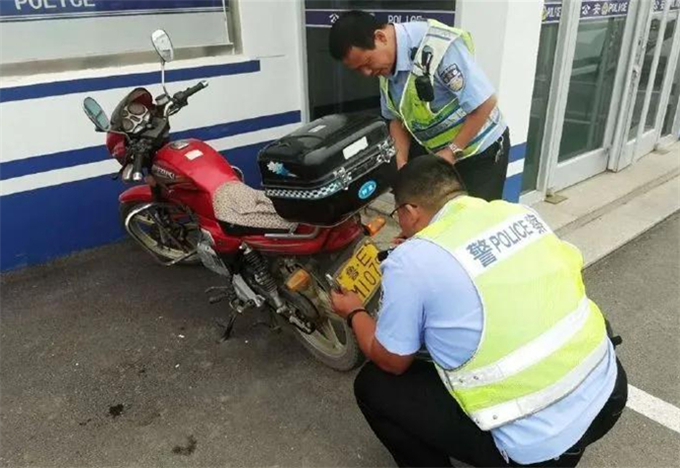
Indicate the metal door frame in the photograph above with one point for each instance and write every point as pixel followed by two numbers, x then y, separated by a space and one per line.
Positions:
pixel 552 175
pixel 644 142
pixel 559 88
pixel 618 159
pixel 674 62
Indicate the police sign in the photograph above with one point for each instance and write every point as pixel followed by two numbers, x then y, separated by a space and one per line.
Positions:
pixel 23 10
pixel 324 18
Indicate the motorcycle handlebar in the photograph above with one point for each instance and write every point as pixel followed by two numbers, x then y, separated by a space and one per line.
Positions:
pixel 196 88
pixel 182 96
pixel 137 175
pixel 138 152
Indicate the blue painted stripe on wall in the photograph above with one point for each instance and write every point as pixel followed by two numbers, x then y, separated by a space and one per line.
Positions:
pixel 76 216
pixel 242 126
pixel 50 162
pixel 63 219
pixel 60 88
pixel 71 158
pixel 517 152
pixel 512 188
pixel 513 185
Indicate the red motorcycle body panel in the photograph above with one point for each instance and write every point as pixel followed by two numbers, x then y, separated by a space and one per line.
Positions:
pixel 198 162
pixel 192 171
pixel 138 193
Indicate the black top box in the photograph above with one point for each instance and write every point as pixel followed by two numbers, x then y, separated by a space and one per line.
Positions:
pixel 328 169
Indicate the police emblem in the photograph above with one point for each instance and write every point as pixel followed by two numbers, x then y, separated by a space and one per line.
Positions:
pixel 279 169
pixel 453 78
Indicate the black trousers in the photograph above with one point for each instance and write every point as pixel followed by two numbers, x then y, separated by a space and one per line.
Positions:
pixel 482 175
pixel 419 422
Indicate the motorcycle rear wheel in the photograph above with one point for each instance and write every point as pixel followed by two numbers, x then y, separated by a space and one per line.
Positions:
pixel 333 342
pixel 151 236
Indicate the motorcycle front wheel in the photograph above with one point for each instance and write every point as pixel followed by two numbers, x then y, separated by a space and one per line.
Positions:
pixel 166 231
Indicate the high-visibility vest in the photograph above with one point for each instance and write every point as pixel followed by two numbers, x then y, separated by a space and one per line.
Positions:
pixel 435 130
pixel 541 336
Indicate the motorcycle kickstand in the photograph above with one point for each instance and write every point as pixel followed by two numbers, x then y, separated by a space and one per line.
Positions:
pixel 229 327
pixel 237 309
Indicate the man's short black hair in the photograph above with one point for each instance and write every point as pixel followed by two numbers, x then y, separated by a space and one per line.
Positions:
pixel 353 29
pixel 427 181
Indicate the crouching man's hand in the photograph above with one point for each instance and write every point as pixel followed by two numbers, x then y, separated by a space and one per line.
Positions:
pixel 345 302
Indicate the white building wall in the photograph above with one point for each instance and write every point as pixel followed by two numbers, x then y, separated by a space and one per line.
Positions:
pixel 56 195
pixel 506 35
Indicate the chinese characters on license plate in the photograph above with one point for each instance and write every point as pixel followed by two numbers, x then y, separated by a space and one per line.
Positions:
pixel 361 273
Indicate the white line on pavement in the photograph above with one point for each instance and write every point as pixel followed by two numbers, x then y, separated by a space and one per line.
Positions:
pixel 654 408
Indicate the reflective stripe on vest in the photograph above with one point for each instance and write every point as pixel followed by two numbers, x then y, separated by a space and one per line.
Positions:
pixel 541 335
pixel 435 130
pixel 495 416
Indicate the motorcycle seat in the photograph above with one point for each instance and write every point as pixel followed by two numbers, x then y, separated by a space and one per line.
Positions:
pixel 242 210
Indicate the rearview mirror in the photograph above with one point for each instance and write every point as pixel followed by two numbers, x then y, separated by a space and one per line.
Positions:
pixel 96 114
pixel 163 45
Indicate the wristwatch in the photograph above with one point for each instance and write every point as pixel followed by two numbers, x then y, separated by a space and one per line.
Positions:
pixel 457 152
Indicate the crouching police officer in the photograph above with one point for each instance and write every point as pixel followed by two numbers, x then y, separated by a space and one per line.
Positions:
pixel 523 371
pixel 431 89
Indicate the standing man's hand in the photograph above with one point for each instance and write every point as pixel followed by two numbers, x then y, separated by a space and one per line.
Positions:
pixel 345 302
pixel 447 154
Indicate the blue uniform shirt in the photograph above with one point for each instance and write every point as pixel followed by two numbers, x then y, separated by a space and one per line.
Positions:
pixel 458 75
pixel 429 300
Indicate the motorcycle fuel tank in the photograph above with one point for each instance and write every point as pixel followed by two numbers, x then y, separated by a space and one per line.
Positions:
pixel 194 160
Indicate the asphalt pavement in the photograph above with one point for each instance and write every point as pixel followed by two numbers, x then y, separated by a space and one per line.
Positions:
pixel 107 359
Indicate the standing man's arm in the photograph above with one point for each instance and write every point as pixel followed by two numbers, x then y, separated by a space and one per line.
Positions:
pixel 465 80
pixel 474 122
pixel 402 141
pixel 399 133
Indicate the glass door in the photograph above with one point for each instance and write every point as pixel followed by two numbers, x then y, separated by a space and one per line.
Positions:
pixel 589 111
pixel 541 94
pixel 654 99
pixel 671 121
pixel 668 118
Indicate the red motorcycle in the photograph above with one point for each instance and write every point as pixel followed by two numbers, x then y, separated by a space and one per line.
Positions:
pixel 190 210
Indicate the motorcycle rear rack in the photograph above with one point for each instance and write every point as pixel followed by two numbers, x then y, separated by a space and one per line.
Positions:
pixel 132 234
pixel 291 234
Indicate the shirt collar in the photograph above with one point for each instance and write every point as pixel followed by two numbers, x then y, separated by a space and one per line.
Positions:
pixel 404 45
pixel 444 209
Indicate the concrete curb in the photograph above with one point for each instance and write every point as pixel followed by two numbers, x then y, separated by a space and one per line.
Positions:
pixel 614 229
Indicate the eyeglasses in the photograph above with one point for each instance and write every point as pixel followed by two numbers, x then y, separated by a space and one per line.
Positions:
pixel 395 212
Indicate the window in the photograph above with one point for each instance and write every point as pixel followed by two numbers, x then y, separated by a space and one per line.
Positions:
pixel 333 88
pixel 598 44
pixel 45 31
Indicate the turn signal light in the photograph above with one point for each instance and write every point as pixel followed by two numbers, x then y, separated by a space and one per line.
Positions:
pixel 298 281
pixel 375 225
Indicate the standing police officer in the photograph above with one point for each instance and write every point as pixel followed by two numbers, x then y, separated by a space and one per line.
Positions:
pixel 523 371
pixel 431 89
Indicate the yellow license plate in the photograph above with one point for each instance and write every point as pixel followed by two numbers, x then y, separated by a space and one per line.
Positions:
pixel 361 273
